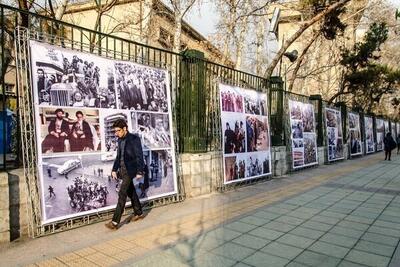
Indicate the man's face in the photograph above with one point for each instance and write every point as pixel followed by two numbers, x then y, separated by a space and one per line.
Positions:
pixel 59 115
pixel 120 132
pixel 79 117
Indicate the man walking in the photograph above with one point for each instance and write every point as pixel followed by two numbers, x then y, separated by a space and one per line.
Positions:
pixel 130 165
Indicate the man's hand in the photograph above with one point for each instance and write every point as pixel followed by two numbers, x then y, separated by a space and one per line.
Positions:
pixel 114 175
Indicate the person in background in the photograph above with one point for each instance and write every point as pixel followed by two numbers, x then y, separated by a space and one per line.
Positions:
pixel 390 144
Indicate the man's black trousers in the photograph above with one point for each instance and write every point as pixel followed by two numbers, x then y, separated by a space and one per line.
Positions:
pixel 127 189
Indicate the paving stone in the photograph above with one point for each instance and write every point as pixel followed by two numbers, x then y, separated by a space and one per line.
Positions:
pixel 296 264
pixel 266 233
pixel 339 240
pixel 211 260
pixel 329 249
pixel 233 251
pixel 384 231
pixel 290 220
pixel 346 231
pixel 375 248
pixel 276 210
pixel 297 241
pixel 223 233
pixel 332 214
pixel 317 225
pixel 324 219
pixel 353 225
pixel 350 264
pixel 282 250
pixel 279 226
pixel 315 259
pixel 381 239
pixel 205 242
pixel 184 252
pixel 306 232
pixel 353 218
pixel 387 225
pixel 267 216
pixel 366 258
pixel 240 226
pixel 254 220
pixel 260 259
pixel 251 241
pixel 241 264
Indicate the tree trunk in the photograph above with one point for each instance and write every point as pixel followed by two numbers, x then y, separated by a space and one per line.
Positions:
pixel 260 35
pixel 240 44
pixel 61 10
pixel 178 32
pixel 299 32
pixel 300 60
pixel 146 20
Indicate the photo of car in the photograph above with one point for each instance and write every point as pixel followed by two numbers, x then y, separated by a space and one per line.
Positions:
pixel 68 166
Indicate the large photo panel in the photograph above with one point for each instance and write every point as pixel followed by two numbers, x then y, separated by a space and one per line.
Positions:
pixel 77 99
pixel 355 134
pixel 62 77
pixel 380 134
pixel 245 133
pixel 369 135
pixel 334 130
pixel 302 134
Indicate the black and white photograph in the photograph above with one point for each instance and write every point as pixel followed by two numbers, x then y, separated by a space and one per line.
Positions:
pixel 308 118
pixel 310 149
pixel 231 98
pixel 302 133
pixel 393 129
pixel 234 133
pixel 254 165
pixel 298 143
pixel 71 78
pixel 380 134
pixel 255 102
pixel 141 88
pixel 107 119
pixel 159 175
pixel 257 133
pixel 69 130
pixel 369 135
pixel 296 110
pixel 333 119
pixel 77 184
pixel 355 134
pixel 153 129
pixel 235 167
pixel 297 129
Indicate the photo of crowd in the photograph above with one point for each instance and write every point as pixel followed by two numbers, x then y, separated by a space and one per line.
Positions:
pixel 153 129
pixel 141 88
pixel 234 135
pixel 310 149
pixel 231 99
pixel 235 167
pixel 107 118
pixel 333 118
pixel 302 127
pixel 386 123
pixel 355 134
pixel 71 78
pixel 255 102
pixel 257 133
pixel 245 133
pixel 380 134
pixel 69 130
pixel 369 135
pixel 77 184
pixel 393 128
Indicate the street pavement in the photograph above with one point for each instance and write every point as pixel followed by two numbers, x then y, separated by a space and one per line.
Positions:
pixel 343 214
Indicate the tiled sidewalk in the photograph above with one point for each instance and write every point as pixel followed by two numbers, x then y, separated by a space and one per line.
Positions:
pixel 346 214
pixel 351 221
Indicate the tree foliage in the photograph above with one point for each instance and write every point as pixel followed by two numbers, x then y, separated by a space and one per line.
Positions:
pixel 365 80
